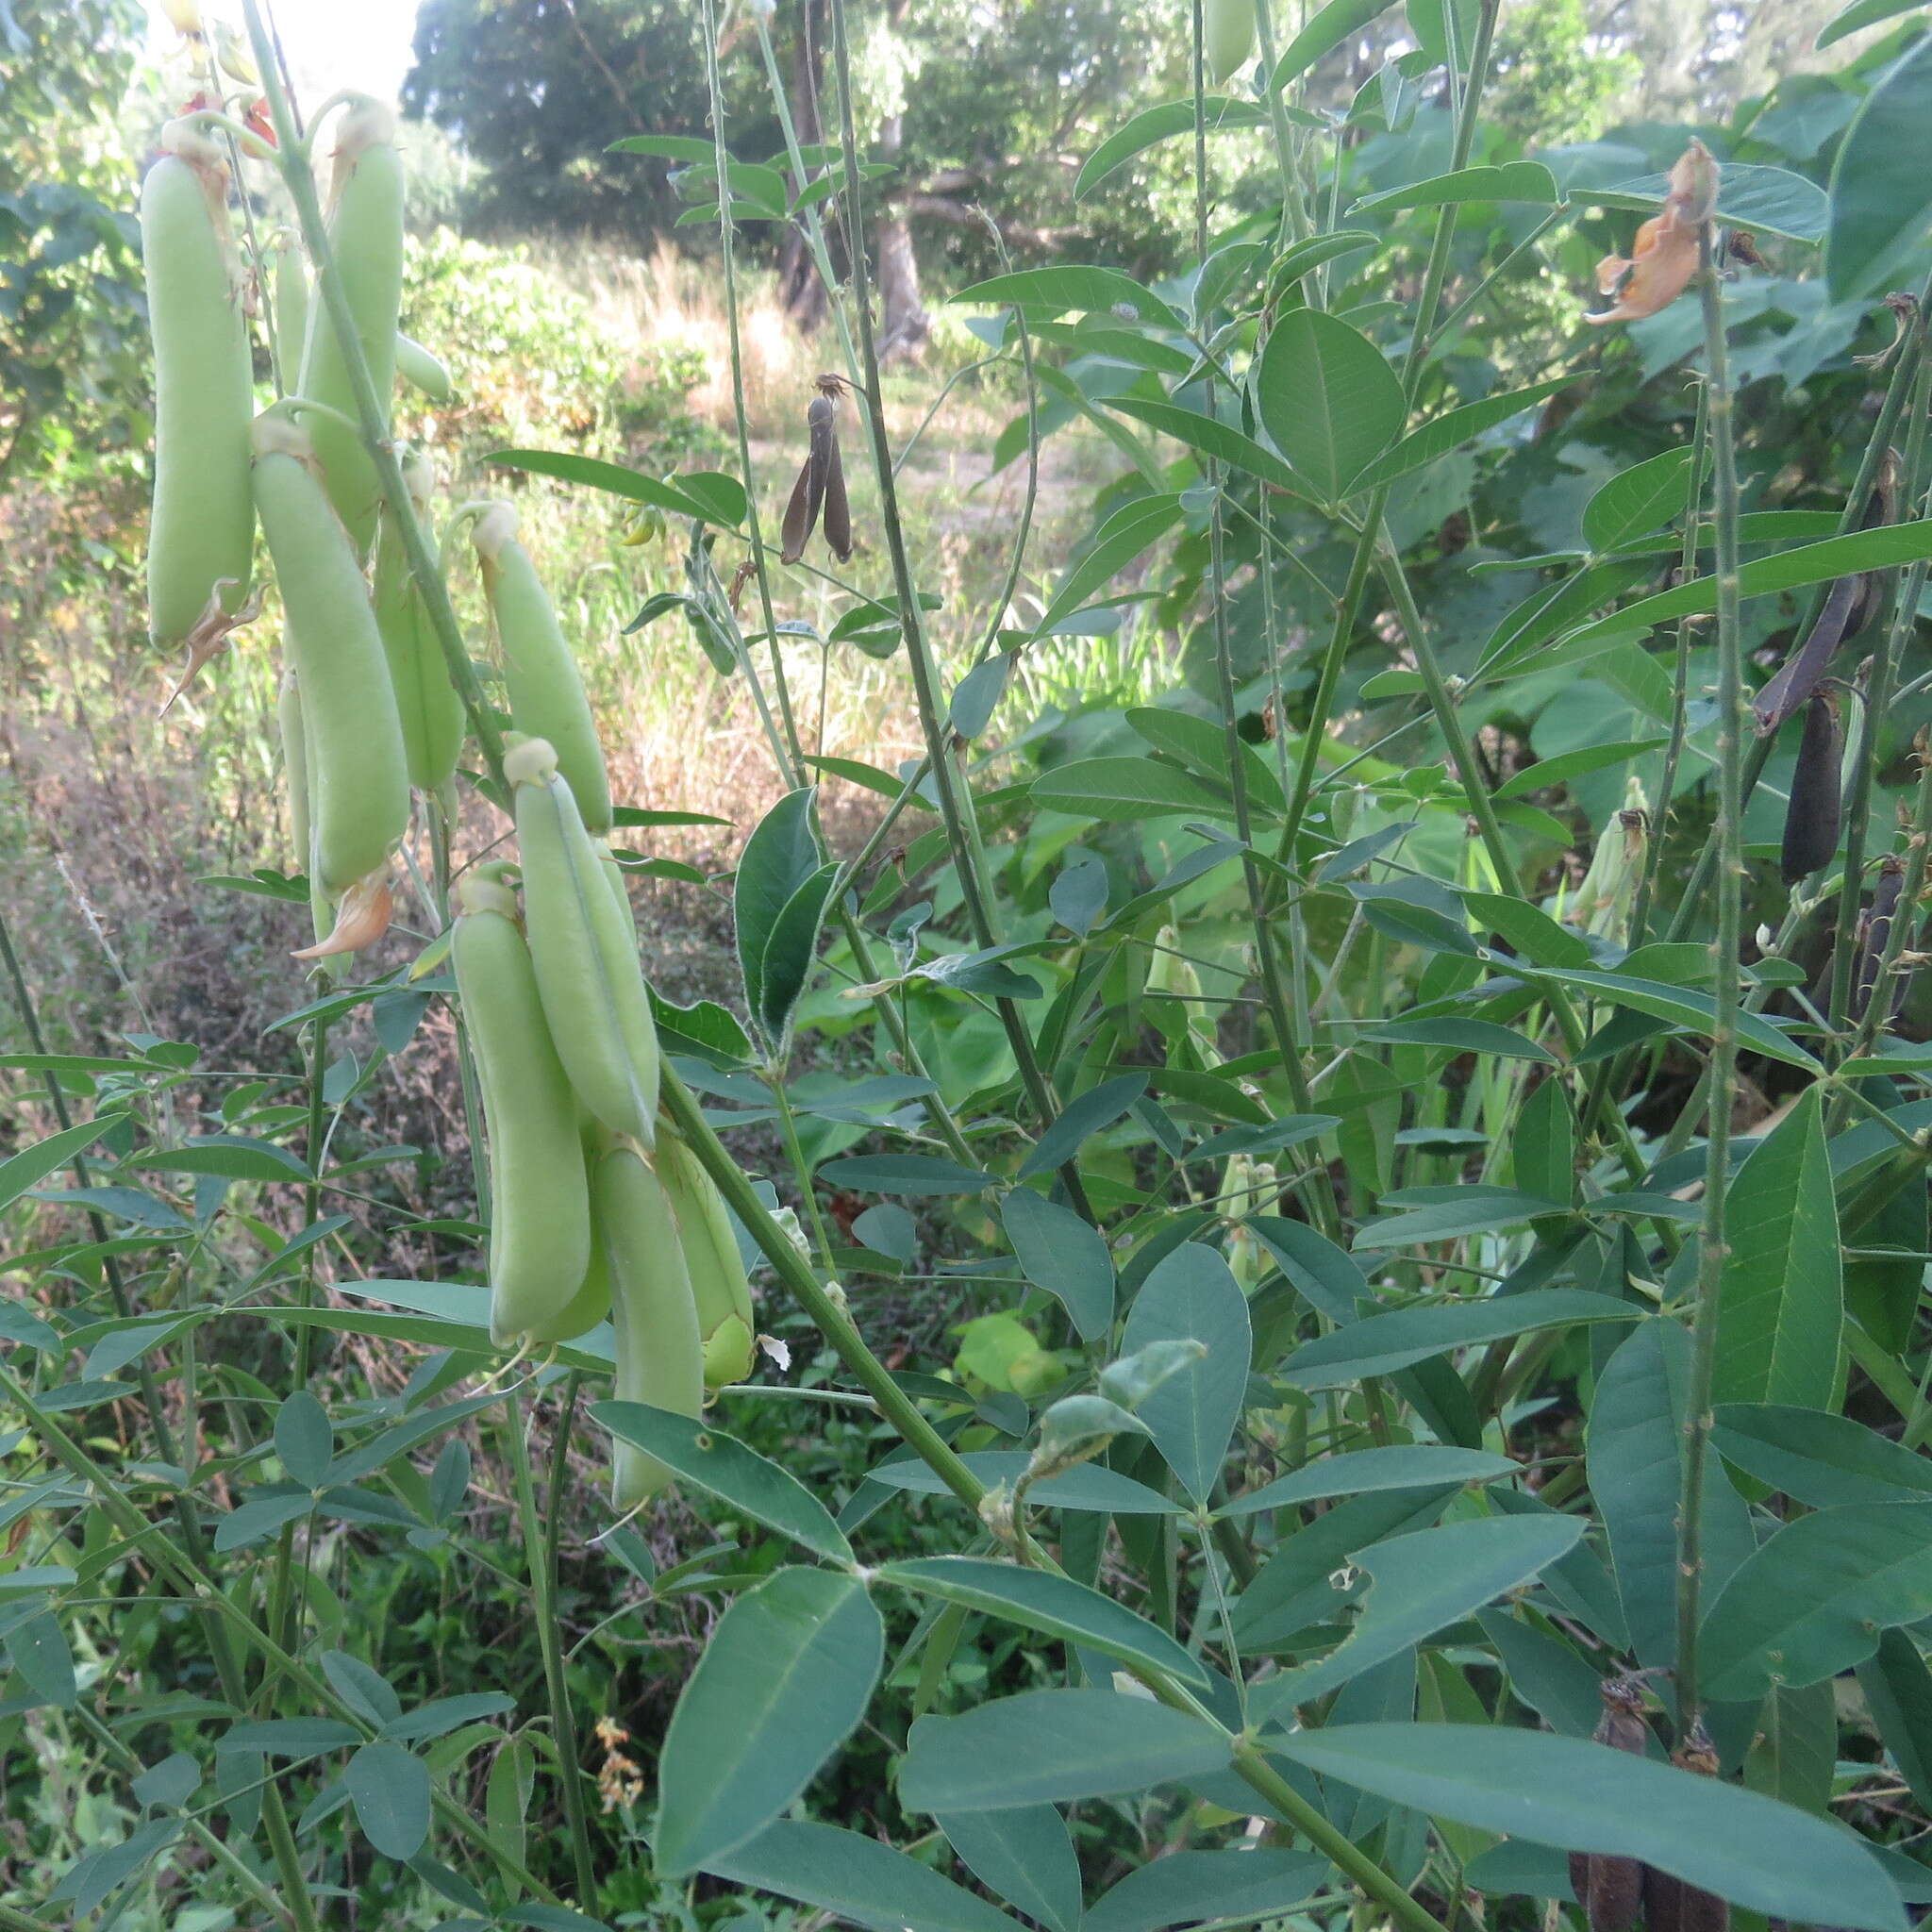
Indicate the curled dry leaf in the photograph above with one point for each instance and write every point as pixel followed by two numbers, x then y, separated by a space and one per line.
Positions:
pixel 210 637
pixel 362 916
pixel 1665 257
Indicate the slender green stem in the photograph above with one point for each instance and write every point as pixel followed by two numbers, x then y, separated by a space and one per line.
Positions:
pixel 1680 695
pixel 1348 605
pixel 1289 1036
pixel 1903 624
pixel 726 228
pixel 788 1129
pixel 1294 217
pixel 536 1542
pixel 953 808
pixel 1254 1771
pixel 1726 986
pixel 209 1842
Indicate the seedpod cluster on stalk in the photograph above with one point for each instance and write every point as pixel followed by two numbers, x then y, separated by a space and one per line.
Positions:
pixel 594 1206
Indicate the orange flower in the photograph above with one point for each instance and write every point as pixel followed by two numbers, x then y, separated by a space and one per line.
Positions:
pixel 1666 251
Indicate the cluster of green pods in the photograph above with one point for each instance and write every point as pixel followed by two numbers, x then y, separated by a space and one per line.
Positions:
pixel 594 1205
pixel 595 1210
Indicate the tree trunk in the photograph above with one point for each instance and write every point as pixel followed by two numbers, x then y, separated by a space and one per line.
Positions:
pixel 800 290
pixel 904 324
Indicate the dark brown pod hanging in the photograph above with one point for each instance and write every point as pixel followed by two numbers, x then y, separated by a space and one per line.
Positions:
pixel 1670 1906
pixel 1874 932
pixel 1812 816
pixel 1846 613
pixel 838 512
pixel 1611 1889
pixel 1669 1903
pixel 809 493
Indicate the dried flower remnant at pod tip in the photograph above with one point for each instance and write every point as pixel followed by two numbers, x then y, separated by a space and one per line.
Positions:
pixel 1665 255
pixel 362 917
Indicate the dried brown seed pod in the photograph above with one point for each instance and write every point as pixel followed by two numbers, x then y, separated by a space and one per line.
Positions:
pixel 820 485
pixel 1874 931
pixel 1812 816
pixel 1611 1889
pixel 1847 611
pixel 1669 1903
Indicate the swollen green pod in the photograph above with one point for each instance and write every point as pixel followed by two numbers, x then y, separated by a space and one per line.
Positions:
pixel 540 1215
pixel 719 1287
pixel 546 694
pixel 591 1303
pixel 201 538
pixel 291 283
pixel 658 1359
pixel 359 778
pixel 421 371
pixel 1227 38
pixel 427 706
pixel 585 949
pixel 295 769
pixel 365 232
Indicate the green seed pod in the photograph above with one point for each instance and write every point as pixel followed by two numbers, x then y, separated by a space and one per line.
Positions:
pixel 357 773
pixel 1608 893
pixel 296 767
pixel 1227 38
pixel 546 694
pixel 585 950
pixel 540 1217
pixel 421 371
pixel 290 281
pixel 201 538
pixel 659 1358
pixel 718 1284
pixel 427 706
pixel 365 232
pixel 592 1301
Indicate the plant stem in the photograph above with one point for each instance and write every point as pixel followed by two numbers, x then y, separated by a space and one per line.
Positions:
pixel 1348 607
pixel 912 620
pixel 1904 623
pixel 788 1129
pixel 539 1543
pixel 1680 698
pixel 1727 842
pixel 1254 1771
pixel 1289 1038
pixel 720 158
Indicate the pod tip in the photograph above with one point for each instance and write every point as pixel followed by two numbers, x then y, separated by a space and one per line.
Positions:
pixel 362 916
pixel 532 762
pixel 493 526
